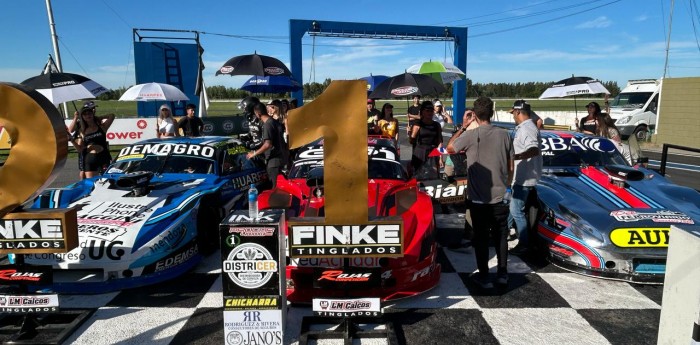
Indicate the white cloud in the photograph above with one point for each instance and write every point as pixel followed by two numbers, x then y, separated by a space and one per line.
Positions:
pixel 598 23
pixel 641 18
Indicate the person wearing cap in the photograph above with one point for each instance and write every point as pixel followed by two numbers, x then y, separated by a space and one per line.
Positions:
pixel 489 152
pixel 527 171
pixel 440 116
pixel 413 114
pixel 166 126
pixel 520 104
pixel 91 141
pixel 589 124
pixel 373 117
pixel 191 125
pixel 74 132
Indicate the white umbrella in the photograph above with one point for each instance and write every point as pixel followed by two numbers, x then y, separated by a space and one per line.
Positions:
pixel 64 87
pixel 153 92
pixel 574 86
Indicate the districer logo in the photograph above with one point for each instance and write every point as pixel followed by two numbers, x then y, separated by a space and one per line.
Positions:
pixel 31 233
pixel 250 265
pixel 346 240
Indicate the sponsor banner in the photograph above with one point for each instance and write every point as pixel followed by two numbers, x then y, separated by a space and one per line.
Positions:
pixel 38 231
pixel 353 278
pixel 252 254
pixel 252 302
pixel 382 239
pixel 25 275
pixel 129 131
pixel 444 192
pixel 640 237
pixel 253 327
pixel 656 217
pixel 109 221
pixel 176 258
pixel 549 146
pixel 28 304
pixel 164 149
pixel 357 307
pixel 244 181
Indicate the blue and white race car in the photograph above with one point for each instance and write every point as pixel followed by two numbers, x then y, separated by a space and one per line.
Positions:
pixel 152 215
pixel 597 215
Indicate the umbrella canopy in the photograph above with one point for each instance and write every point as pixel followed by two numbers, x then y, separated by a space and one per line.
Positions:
pixel 65 87
pixel 373 81
pixel 254 64
pixel 271 84
pixel 407 84
pixel 443 72
pixel 574 86
pixel 153 92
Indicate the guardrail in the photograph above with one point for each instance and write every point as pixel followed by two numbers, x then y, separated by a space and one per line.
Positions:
pixel 664 155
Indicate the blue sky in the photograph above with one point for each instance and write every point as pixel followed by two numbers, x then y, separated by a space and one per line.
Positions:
pixel 510 41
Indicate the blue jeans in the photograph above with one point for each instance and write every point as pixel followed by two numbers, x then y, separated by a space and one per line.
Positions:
pixel 517 211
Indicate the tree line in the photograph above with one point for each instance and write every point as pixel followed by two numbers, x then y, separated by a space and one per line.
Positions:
pixel 314 89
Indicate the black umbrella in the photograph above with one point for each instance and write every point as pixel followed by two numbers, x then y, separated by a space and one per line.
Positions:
pixel 273 84
pixel 254 64
pixel 407 84
pixel 64 87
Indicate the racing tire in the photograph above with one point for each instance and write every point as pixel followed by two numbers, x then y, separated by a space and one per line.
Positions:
pixel 641 133
pixel 208 219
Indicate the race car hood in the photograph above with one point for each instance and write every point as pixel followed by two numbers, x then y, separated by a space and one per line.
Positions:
pixel 110 217
pixel 604 200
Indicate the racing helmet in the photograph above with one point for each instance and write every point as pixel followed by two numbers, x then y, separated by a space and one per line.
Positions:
pixel 247 104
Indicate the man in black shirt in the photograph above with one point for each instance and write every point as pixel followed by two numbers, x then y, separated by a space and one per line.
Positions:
pixel 191 125
pixel 413 113
pixel 272 143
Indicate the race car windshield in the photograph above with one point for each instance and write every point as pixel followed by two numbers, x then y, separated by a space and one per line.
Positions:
pixel 170 164
pixel 582 157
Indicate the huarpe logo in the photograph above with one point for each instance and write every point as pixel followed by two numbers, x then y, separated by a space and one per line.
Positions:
pixel 346 240
pixel 250 265
pixel 346 307
pixel 273 70
pixel 657 217
pixel 31 234
pixel 404 90
pixel 28 304
pixel 226 69
pixel 640 237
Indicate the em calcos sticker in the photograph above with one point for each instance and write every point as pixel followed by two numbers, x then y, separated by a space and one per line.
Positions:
pixel 640 237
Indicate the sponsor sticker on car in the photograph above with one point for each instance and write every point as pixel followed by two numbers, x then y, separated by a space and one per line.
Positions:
pixel 640 237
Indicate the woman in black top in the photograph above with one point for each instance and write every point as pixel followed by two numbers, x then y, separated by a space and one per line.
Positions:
pixel 92 142
pixel 589 124
pixel 426 135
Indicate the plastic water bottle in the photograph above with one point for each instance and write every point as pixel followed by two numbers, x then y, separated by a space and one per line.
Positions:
pixel 507 196
pixel 253 202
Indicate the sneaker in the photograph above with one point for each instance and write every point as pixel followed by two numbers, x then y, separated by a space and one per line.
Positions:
pixel 481 281
pixel 502 279
pixel 519 250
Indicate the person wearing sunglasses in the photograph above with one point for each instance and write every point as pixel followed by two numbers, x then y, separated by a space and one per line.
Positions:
pixel 166 124
pixel 589 124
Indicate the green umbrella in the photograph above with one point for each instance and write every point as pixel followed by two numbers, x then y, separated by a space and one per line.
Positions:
pixel 443 72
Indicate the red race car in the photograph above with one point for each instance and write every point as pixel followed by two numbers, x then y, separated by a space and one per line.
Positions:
pixel 391 193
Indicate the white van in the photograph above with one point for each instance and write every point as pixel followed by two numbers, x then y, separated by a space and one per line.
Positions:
pixel 635 108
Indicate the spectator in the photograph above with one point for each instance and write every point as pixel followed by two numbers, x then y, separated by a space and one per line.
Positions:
pixel 166 124
pixel 191 125
pixel 607 128
pixel 389 125
pixel 413 114
pixel 373 117
pixel 527 170
pixel 74 131
pixel 371 109
pixel 489 163
pixel 589 124
pixel 536 119
pixel 274 110
pixel 92 141
pixel 426 136
pixel 440 116
pixel 272 143
pixel 252 139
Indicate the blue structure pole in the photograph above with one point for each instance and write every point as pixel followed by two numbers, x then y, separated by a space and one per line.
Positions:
pixel 459 88
pixel 298 27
